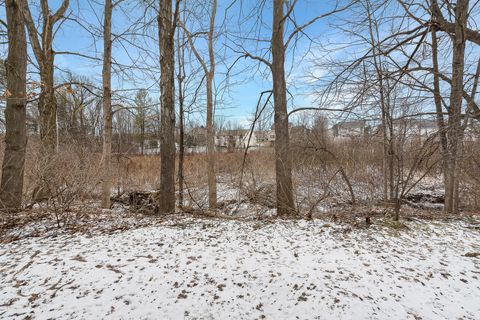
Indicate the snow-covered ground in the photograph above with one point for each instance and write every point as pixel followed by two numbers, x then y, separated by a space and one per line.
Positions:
pixel 187 268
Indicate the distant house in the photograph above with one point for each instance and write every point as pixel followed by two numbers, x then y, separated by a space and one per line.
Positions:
pixel 420 127
pixel 230 140
pixel 405 126
pixel 412 128
pixel 350 129
pixel 265 139
pixel 196 137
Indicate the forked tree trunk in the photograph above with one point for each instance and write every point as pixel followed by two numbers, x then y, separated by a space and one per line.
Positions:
pixel 11 186
pixel 283 164
pixel 454 119
pixel 41 42
pixel 107 105
pixel 167 139
pixel 209 75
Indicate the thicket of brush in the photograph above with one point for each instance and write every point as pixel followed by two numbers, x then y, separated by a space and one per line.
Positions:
pixel 326 174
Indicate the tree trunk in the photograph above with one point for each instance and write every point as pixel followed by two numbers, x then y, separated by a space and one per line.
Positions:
pixel 386 123
pixel 212 183
pixel 11 186
pixel 442 130
pixel 142 134
pixel 209 74
pixel 283 164
pixel 181 152
pixel 47 106
pixel 391 146
pixel 167 138
pixel 41 43
pixel 107 105
pixel 180 79
pixel 454 116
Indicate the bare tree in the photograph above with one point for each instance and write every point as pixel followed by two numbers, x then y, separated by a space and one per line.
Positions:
pixel 384 96
pixel 438 102
pixel 283 162
pixel 107 104
pixel 278 47
pixel 15 113
pixel 181 111
pixel 454 115
pixel 166 31
pixel 209 75
pixel 451 130
pixel 41 40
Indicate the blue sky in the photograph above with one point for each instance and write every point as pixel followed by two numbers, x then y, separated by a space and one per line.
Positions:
pixel 243 95
pixel 243 21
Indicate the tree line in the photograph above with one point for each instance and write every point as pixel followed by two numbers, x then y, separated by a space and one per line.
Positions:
pixel 415 58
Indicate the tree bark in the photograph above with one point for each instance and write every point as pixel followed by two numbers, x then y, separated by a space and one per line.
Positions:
pixel 212 182
pixel 181 152
pixel 283 163
pixel 107 105
pixel 47 107
pixel 451 28
pixel 166 30
pixel 442 130
pixel 181 124
pixel 11 185
pixel 391 141
pixel 454 116
pixel 45 55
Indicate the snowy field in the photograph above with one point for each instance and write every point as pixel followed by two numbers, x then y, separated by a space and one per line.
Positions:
pixel 187 268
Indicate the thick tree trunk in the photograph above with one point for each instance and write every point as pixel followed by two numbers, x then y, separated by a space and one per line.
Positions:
pixel 47 107
pixel 11 186
pixel 454 116
pixel 41 43
pixel 283 164
pixel 167 81
pixel 107 105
